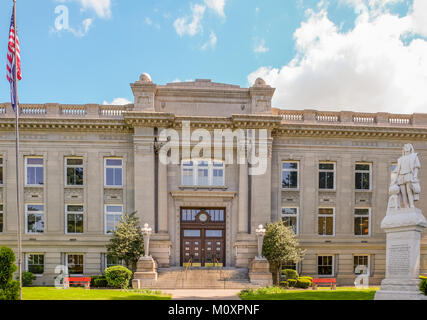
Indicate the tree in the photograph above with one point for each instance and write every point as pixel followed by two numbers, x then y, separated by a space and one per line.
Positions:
pixel 127 243
pixel 9 289
pixel 280 247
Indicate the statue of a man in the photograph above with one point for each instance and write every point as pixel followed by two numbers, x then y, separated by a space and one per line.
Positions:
pixel 407 176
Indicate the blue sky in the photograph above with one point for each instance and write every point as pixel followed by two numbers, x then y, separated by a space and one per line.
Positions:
pixel 229 41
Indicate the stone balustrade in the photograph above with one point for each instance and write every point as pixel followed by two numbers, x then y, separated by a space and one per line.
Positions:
pixel 351 118
pixel 53 110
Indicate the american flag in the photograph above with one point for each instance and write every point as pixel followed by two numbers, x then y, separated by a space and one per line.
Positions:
pixel 11 64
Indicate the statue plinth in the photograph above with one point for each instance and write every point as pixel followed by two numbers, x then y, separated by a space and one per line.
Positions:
pixel 146 273
pixel 259 272
pixel 403 228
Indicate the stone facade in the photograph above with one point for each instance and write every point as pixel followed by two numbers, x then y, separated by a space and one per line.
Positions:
pixel 95 133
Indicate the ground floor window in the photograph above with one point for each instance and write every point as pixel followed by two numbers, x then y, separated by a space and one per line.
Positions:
pixel 111 261
pixel 1 218
pixel 361 264
pixel 35 263
pixel 325 265
pixel 75 263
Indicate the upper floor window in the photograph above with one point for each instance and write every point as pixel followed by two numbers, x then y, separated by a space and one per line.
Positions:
pixel 326 221
pixel 114 172
pixel 327 175
pixel 290 175
pixel 113 217
pixel 35 263
pixel 203 173
pixel 1 170
pixel 1 218
pixel 363 176
pixel 361 221
pixel 290 218
pixel 74 219
pixel 34 171
pixel 74 171
pixel 35 218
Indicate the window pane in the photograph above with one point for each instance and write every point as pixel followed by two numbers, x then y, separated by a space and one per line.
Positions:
pixel 112 222
pixel 322 180
pixel 214 233
pixel 118 176
pixel 364 167
pixel 39 175
pixel 329 211
pixel 32 207
pixel 1 175
pixel 35 223
pixel 292 211
pixel 75 208
pixel 326 166
pixel 114 209
pixel 191 233
pixel 79 176
pixel 361 212
pixel 330 180
pixel 110 176
pixel 75 264
pixel 291 222
pixel 36 161
pixel 203 177
pixel 361 226
pixel 31 175
pixel 290 165
pixel 290 179
pixel 75 162
pixel 36 264
pixel 114 162
pixel 1 222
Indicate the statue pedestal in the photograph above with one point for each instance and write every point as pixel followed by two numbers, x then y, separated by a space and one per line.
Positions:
pixel 259 272
pixel 403 228
pixel 146 273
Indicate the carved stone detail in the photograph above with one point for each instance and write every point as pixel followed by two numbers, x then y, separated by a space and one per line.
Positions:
pixel 73 195
pixel 34 194
pixel 113 195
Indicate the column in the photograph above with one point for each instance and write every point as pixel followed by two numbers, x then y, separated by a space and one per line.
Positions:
pixel 243 198
pixel 163 197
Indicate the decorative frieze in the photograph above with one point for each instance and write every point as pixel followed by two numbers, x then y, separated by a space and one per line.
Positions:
pixel 113 195
pixel 33 194
pixel 74 195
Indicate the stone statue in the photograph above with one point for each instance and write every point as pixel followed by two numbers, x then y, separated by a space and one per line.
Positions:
pixel 394 192
pixel 407 176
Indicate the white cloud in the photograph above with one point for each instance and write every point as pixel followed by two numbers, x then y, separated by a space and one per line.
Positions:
pixel 101 7
pixel 182 26
pixel 148 21
pixel 374 67
pixel 117 102
pixel 216 5
pixel 211 43
pixel 79 32
pixel 260 47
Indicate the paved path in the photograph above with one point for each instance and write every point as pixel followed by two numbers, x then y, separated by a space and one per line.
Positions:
pixel 204 294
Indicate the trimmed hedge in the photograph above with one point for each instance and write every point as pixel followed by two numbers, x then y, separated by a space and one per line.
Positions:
pixel 290 274
pixel 9 289
pixel 101 283
pixel 27 278
pixel 423 286
pixel 292 283
pixel 303 283
pixel 118 276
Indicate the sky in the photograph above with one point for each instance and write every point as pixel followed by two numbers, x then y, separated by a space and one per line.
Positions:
pixel 356 55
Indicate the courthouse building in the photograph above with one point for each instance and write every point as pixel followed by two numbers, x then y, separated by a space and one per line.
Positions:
pixel 83 166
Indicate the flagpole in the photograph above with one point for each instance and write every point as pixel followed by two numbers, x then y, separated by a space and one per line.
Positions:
pixel 17 155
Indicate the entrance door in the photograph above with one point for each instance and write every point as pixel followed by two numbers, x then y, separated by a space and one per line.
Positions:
pixel 203 237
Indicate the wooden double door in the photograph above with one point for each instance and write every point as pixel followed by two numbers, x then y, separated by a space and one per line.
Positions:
pixel 202 237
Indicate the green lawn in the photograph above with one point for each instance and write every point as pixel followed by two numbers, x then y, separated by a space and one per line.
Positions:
pixel 342 293
pixel 48 293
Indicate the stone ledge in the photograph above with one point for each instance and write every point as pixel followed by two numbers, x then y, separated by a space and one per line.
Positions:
pixel 403 218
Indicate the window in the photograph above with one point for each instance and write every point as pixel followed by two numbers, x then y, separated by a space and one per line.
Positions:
pixel 203 173
pixel 361 221
pixel 34 170
pixel 35 263
pixel 289 265
pixel 1 218
pixel 290 175
pixel 74 171
pixel 114 172
pixel 75 264
pixel 35 218
pixel 113 217
pixel 192 233
pixel 361 264
pixel 363 176
pixel 325 265
pixel 327 175
pixel 290 218
pixel 1 170
pixel 326 221
pixel 74 219
pixel 111 261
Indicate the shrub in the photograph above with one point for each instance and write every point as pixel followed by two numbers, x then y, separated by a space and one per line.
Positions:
pixel 292 283
pixel 118 276
pixel 27 278
pixel 303 283
pixel 7 266
pixel 306 278
pixel 10 291
pixel 290 274
pixel 284 284
pixel 101 283
pixel 423 286
pixel 423 277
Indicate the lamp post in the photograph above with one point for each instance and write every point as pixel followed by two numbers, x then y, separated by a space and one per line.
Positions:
pixel 260 233
pixel 146 231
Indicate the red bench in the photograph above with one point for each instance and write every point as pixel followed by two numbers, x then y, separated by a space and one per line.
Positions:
pixel 75 280
pixel 331 282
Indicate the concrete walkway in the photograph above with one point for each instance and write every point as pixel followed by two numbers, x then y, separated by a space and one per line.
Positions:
pixel 204 294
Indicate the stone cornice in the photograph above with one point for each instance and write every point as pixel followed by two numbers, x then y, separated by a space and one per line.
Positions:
pixel 65 124
pixel 226 195
pixel 350 131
